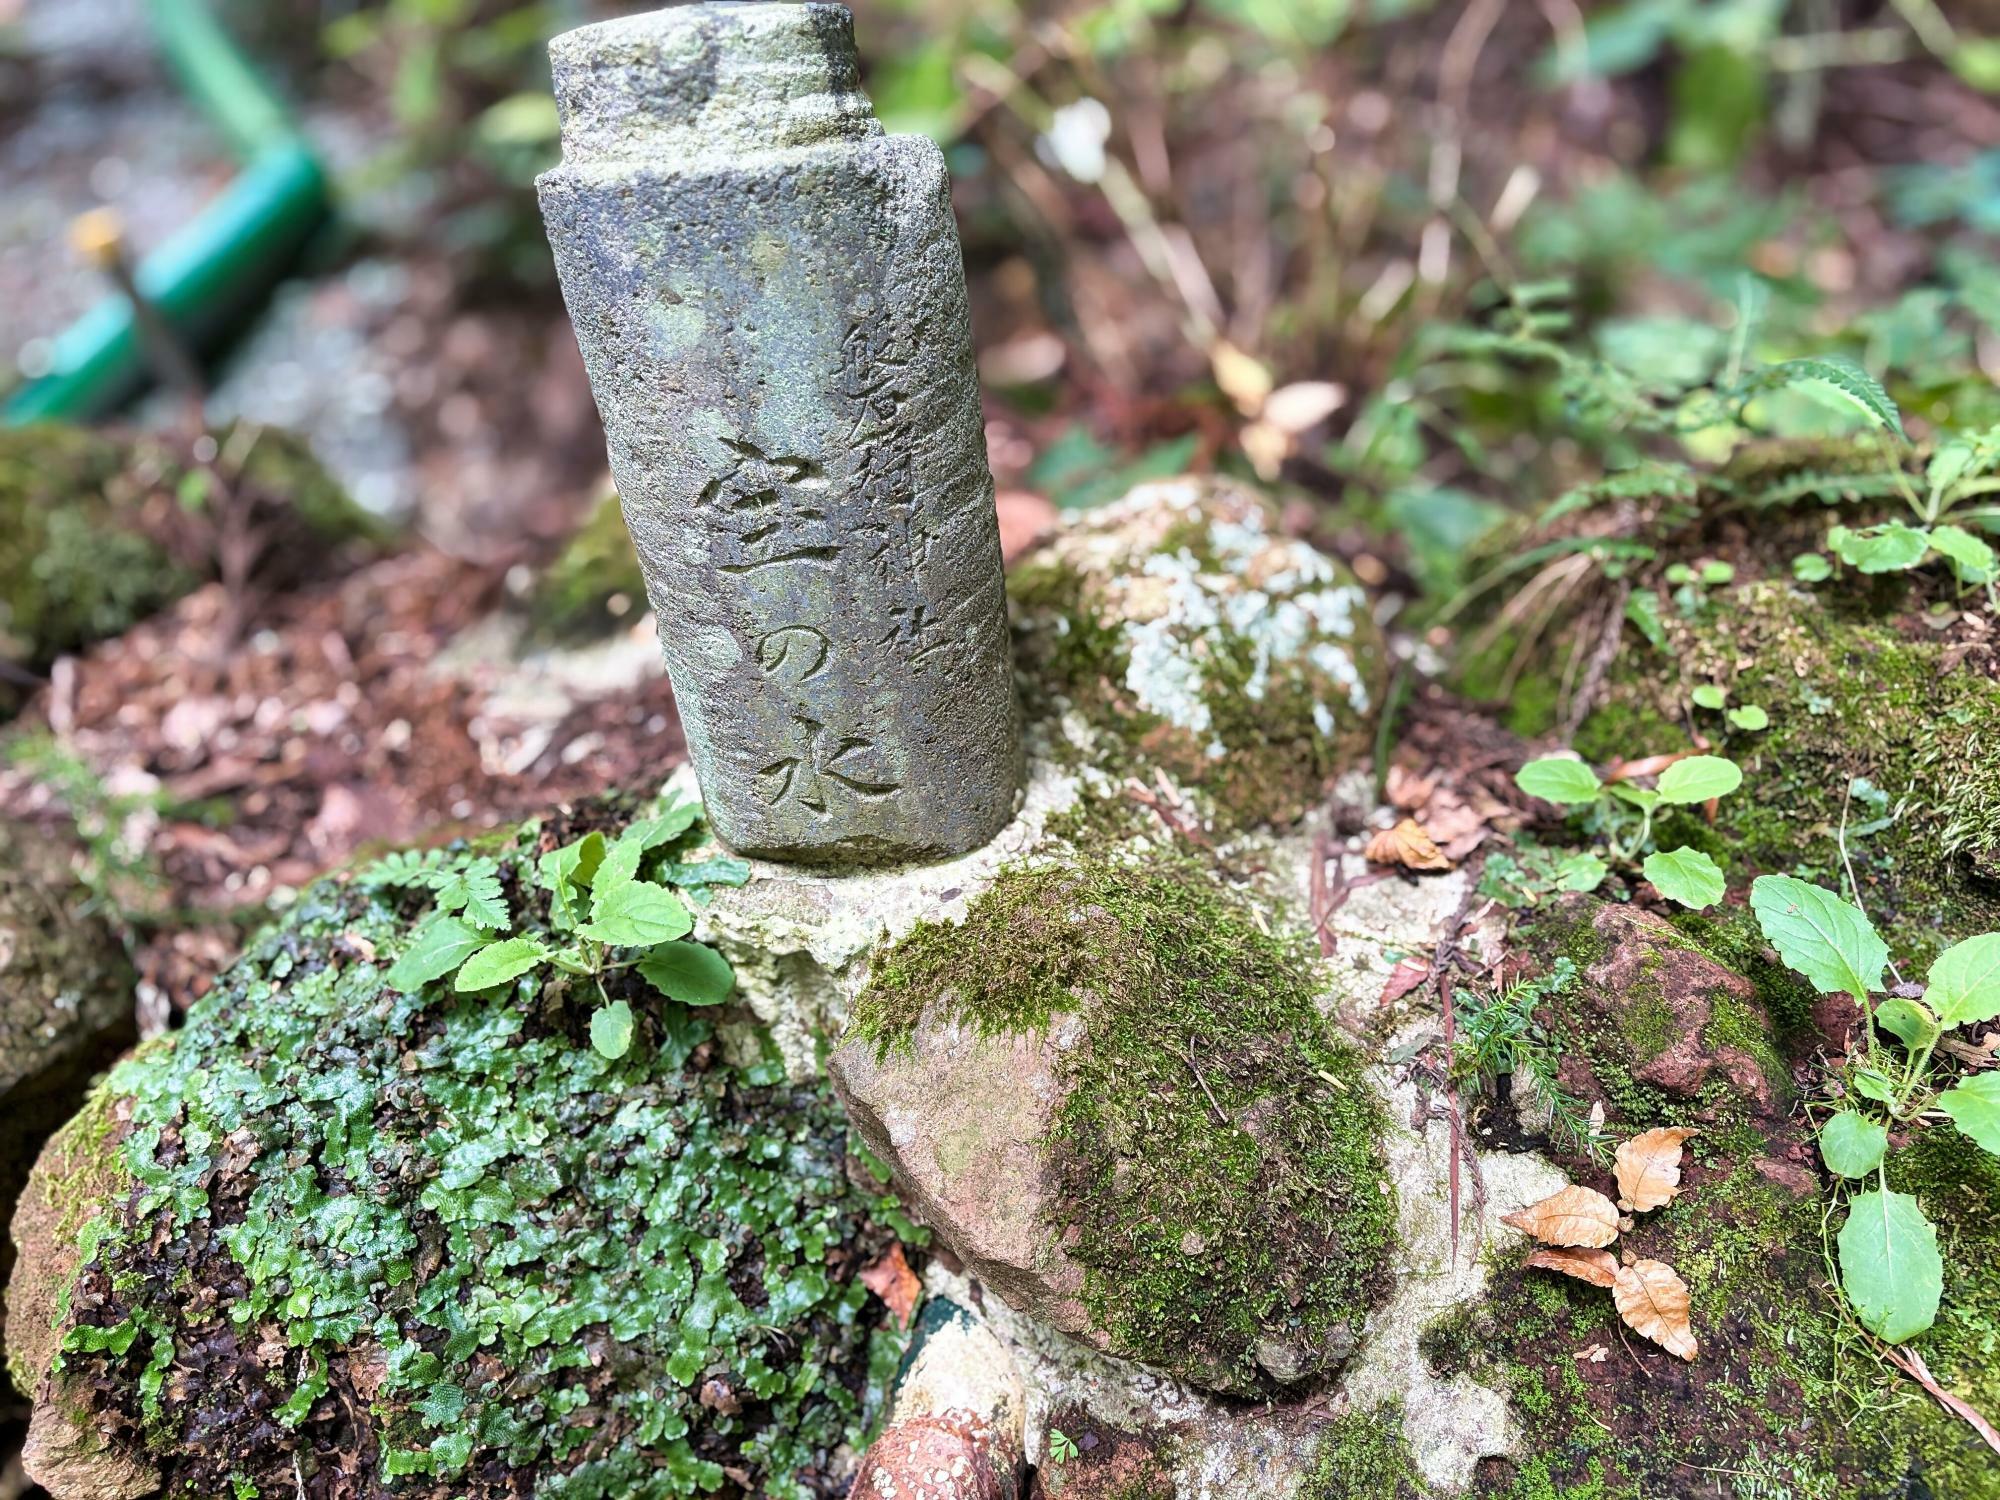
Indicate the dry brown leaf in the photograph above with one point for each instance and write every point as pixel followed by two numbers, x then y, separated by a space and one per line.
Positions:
pixel 1574 1216
pixel 1649 1169
pixel 1598 1267
pixel 891 1279
pixel 1407 845
pixel 1406 976
pixel 1653 1301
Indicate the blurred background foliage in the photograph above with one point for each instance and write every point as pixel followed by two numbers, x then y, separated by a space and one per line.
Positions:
pixel 1228 233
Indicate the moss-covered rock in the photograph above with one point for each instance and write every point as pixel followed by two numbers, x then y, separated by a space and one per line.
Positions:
pixel 1179 629
pixel 67 1002
pixel 371 1239
pixel 1786 1393
pixel 594 584
pixel 1115 1097
pixel 98 531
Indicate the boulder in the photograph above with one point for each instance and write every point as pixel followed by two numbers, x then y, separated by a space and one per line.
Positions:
pixel 356 1231
pixel 1111 1094
pixel 1180 631
pixel 67 1002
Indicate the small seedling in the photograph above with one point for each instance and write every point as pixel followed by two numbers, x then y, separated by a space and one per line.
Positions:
pixel 613 918
pixel 1062 1448
pixel 1623 811
pixel 1890 1268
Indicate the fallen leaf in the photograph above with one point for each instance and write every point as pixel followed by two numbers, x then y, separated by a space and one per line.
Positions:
pixel 1598 1267
pixel 1596 1354
pixel 1407 845
pixel 891 1279
pixel 1574 1216
pixel 1406 976
pixel 1649 1169
pixel 1913 1362
pixel 1653 1301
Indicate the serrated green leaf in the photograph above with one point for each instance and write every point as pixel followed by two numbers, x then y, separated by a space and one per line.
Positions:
pixel 1889 1265
pixel 1811 567
pixel 499 963
pixel 1708 695
pixel 1699 778
pixel 1908 1022
pixel 1559 779
pixel 1974 1107
pixel 1853 1144
pixel 1750 719
pixel 691 973
pixel 637 914
pixel 1830 942
pixel 476 892
pixel 1893 548
pixel 1872 1085
pixel 1964 983
pixel 1971 558
pixel 440 945
pixel 565 874
pixel 1849 384
pixel 1642 608
pixel 1685 875
pixel 611 1029
pixel 621 862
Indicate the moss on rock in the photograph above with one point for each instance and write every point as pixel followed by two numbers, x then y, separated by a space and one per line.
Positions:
pixel 435 1243
pixel 1213 1162
pixel 1786 1395
pixel 594 583
pixel 99 531
pixel 1190 635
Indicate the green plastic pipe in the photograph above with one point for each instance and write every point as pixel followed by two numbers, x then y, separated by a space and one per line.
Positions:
pixel 208 276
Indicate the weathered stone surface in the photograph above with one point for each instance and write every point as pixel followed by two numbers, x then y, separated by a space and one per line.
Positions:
pixel 1179 632
pixel 771 302
pixel 66 1002
pixel 955 1428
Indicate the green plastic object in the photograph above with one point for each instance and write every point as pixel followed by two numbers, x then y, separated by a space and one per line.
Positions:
pixel 208 276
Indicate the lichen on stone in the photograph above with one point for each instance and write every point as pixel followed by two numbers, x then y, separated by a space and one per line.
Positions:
pixel 1190 634
pixel 437 1243
pixel 1215 1158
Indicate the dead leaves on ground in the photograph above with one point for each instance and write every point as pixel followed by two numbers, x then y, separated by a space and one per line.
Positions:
pixel 891 1279
pixel 1649 1169
pixel 1407 845
pixel 1653 1301
pixel 1598 1267
pixel 1577 1222
pixel 1574 1216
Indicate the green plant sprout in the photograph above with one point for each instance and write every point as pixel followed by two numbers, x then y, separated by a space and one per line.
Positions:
pixel 1062 1448
pixel 1962 469
pixel 1500 1036
pixel 1747 717
pixel 1890 1269
pixel 1623 812
pixel 614 918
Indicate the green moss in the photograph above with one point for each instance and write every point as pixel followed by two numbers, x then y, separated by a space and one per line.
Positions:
pixel 1362 1453
pixel 1216 1154
pixel 516 1263
pixel 1852 693
pixel 593 584
pixel 74 567
pixel 97 532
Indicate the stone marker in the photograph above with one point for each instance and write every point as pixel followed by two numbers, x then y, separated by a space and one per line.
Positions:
pixel 771 302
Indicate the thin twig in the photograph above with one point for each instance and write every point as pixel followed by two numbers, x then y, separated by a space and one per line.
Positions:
pixel 1188 1057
